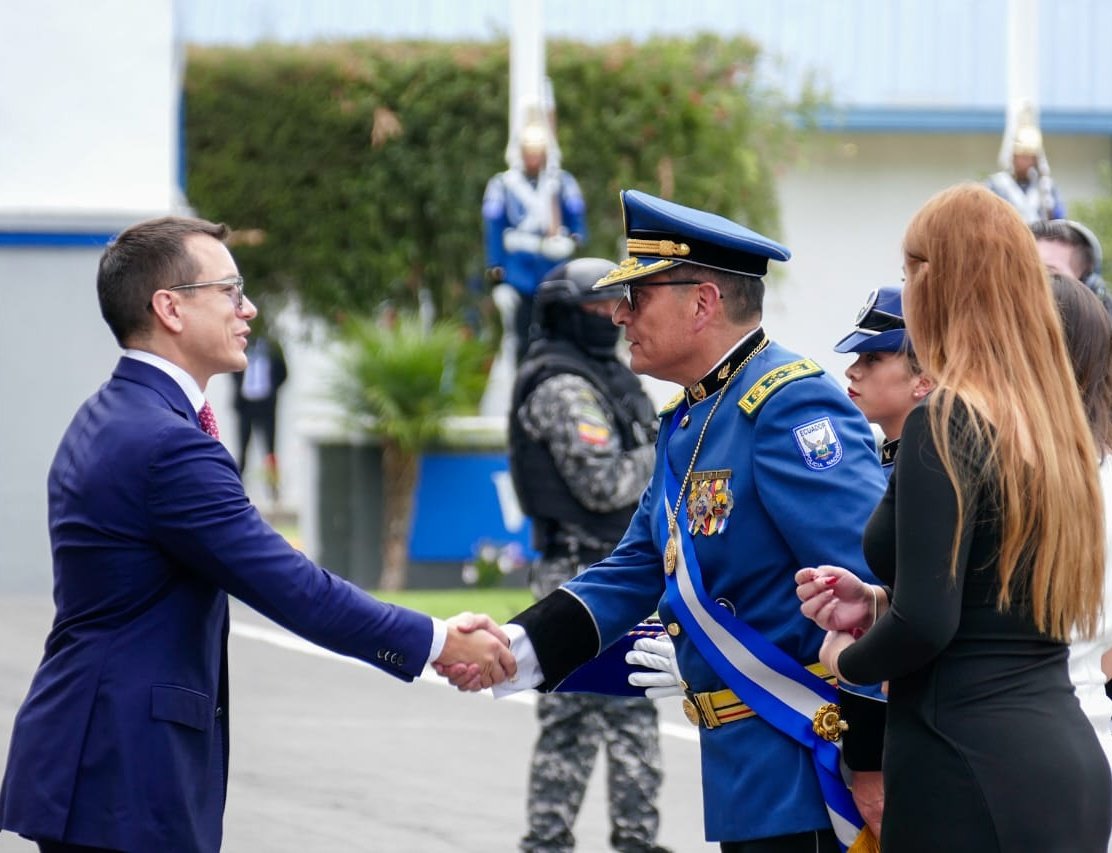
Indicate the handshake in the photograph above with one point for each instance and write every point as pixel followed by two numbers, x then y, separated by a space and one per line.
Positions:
pixel 477 655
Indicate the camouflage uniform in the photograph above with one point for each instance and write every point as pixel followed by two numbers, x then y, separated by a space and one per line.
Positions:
pixel 574 420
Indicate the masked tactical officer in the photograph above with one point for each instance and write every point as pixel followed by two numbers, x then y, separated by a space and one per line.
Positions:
pixel 763 466
pixel 581 453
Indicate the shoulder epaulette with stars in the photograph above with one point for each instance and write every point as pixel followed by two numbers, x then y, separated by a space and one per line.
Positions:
pixel 773 381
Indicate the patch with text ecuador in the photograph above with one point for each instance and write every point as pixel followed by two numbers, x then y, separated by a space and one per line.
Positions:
pixel 819 444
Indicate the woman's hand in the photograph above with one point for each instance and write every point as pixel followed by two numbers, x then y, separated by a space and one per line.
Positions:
pixel 836 599
pixel 835 643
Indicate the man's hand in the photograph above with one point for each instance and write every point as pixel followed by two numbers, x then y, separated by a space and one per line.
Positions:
pixel 835 599
pixel 656 653
pixel 868 796
pixel 476 653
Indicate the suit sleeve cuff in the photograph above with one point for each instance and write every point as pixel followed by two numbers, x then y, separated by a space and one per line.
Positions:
pixel 563 634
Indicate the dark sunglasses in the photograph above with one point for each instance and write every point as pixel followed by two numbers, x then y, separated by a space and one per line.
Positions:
pixel 628 292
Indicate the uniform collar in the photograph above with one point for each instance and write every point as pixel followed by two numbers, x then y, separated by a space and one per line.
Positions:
pixel 888 451
pixel 720 373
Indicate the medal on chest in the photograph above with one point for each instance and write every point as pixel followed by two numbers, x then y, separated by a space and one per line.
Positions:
pixel 671 549
pixel 710 500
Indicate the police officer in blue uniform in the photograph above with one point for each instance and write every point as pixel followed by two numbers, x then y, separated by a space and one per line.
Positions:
pixel 763 465
pixel 886 380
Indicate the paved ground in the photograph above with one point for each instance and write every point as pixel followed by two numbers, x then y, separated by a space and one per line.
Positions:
pixel 329 755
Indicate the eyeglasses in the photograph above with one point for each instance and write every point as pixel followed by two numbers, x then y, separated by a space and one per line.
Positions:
pixel 235 281
pixel 631 299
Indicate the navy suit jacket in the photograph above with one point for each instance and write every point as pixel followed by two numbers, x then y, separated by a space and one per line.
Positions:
pixel 122 741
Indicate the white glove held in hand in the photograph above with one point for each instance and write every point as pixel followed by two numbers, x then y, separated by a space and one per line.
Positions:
pixel 659 655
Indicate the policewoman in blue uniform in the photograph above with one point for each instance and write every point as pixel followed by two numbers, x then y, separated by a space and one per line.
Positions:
pixel 885 381
pixel 763 465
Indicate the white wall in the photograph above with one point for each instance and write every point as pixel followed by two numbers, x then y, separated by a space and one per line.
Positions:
pixel 56 351
pixel 89 96
pixel 89 108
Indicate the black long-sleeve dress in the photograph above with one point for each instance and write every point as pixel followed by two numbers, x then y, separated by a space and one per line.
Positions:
pixel 986 747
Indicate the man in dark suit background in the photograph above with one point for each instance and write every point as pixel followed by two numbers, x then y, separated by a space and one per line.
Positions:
pixel 256 403
pixel 122 741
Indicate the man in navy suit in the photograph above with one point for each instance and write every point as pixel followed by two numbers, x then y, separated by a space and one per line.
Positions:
pixel 122 741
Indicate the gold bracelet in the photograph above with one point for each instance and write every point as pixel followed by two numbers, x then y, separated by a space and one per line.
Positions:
pixel 872 589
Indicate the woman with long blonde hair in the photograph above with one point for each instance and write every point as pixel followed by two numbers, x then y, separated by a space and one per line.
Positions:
pixel 991 537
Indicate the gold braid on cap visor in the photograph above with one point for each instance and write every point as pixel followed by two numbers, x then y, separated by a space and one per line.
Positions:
pixel 632 268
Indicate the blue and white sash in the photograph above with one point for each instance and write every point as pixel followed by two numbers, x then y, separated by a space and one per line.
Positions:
pixel 779 688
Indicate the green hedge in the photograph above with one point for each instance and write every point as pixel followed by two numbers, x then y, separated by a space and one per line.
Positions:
pixel 354 172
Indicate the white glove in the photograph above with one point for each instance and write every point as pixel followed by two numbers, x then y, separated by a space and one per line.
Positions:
pixel 514 240
pixel 660 655
pixel 506 299
pixel 557 247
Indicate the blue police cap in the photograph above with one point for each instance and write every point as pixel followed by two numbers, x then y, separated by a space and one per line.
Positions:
pixel 662 234
pixel 880 324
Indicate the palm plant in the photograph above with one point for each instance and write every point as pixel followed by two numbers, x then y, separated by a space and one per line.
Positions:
pixel 399 380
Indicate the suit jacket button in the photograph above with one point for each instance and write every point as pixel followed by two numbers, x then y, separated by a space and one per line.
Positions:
pixel 674 629
pixel 219 710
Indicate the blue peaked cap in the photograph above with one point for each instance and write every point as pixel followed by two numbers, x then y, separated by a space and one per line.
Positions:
pixel 661 234
pixel 880 324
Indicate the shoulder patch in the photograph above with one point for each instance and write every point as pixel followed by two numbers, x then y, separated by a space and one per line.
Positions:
pixel 819 444
pixel 773 381
pixel 671 405
pixel 593 433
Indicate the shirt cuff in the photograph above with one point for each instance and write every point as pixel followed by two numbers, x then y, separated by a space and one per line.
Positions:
pixel 529 673
pixel 439 638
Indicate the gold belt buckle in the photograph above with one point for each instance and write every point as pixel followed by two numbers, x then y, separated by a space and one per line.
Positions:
pixel 828 723
pixel 691 712
pixel 699 710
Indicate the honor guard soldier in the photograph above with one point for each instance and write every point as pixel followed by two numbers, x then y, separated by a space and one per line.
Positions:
pixel 763 465
pixel 1024 178
pixel 581 453
pixel 534 217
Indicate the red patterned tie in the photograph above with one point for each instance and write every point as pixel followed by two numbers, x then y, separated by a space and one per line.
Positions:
pixel 208 421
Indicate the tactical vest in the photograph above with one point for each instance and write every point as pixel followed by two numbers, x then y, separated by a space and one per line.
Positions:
pixel 541 491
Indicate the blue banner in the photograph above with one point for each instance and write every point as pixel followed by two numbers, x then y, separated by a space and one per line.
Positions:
pixel 464 499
